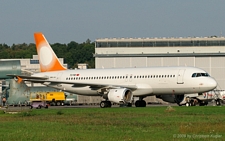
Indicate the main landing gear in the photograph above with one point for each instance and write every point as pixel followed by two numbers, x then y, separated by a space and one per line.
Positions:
pixel 140 103
pixel 105 104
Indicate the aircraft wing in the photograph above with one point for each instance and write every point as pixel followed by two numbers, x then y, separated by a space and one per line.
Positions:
pixel 24 77
pixel 44 80
pixel 80 84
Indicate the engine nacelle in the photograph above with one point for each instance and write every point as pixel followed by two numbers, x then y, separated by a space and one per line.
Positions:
pixel 121 95
pixel 171 98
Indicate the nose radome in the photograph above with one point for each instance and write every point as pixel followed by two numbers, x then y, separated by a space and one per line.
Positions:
pixel 212 83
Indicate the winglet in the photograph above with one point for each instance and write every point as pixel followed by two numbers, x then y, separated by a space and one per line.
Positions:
pixel 47 58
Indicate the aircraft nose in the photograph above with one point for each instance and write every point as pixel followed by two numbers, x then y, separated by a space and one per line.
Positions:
pixel 212 83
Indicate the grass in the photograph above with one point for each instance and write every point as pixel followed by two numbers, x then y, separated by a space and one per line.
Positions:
pixel 124 124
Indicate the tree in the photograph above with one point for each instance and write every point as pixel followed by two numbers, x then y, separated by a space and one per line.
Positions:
pixel 73 53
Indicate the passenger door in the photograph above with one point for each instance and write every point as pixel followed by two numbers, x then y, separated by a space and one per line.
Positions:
pixel 180 76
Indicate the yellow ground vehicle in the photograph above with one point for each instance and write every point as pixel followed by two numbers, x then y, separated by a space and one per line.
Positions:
pixel 55 98
pixel 44 99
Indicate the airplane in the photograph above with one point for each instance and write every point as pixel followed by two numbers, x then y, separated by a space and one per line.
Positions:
pixel 118 85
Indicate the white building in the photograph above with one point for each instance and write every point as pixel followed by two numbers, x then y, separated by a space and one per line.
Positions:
pixel 207 53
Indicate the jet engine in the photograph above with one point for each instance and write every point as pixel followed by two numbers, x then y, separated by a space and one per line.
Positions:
pixel 121 95
pixel 171 98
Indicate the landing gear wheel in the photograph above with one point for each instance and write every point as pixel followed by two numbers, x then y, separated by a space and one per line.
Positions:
pixel 187 104
pixel 143 103
pixel 105 104
pixel 109 104
pixel 140 103
pixel 217 102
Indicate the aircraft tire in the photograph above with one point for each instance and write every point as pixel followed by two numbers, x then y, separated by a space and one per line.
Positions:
pixel 102 104
pixel 109 104
pixel 187 104
pixel 143 103
pixel 140 103
pixel 217 102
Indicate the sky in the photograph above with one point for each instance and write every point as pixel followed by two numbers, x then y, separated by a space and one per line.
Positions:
pixel 79 20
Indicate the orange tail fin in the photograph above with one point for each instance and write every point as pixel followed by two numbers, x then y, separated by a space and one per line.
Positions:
pixel 47 58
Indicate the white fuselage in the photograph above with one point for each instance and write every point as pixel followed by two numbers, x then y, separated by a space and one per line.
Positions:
pixel 142 81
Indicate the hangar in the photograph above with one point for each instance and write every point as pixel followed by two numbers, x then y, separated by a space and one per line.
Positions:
pixel 207 53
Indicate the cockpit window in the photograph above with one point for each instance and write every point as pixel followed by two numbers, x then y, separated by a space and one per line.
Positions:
pixel 200 75
pixel 205 74
pixel 194 74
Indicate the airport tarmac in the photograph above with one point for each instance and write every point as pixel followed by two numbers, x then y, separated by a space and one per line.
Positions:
pixel 17 108
pixel 22 108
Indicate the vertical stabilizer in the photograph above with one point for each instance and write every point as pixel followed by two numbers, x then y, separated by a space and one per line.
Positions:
pixel 47 58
